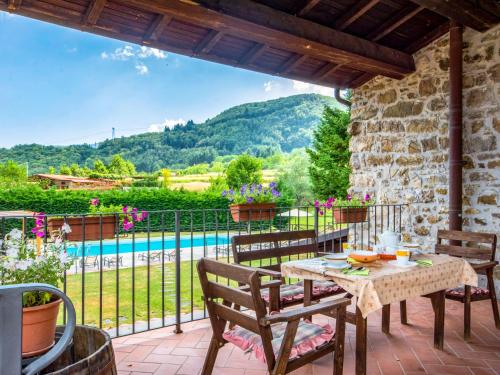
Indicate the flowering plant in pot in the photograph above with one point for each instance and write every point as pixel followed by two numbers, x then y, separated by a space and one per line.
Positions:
pixel 252 202
pixel 102 221
pixel 25 261
pixel 349 210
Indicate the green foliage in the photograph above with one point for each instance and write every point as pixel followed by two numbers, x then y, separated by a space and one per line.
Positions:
pixel 64 169
pixel 330 155
pixel 22 262
pixel 100 167
pixel 12 174
pixel 293 177
pixel 260 129
pixel 166 178
pixel 194 169
pixel 149 181
pixel 120 166
pixel 245 169
pixel 217 184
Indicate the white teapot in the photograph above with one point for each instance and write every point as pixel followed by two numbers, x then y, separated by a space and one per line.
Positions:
pixel 390 238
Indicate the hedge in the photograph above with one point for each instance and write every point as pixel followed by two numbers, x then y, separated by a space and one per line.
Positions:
pixel 61 202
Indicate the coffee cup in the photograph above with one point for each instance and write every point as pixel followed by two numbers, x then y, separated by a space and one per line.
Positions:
pixel 402 257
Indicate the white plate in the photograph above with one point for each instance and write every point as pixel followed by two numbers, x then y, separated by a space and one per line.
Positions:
pixel 334 266
pixel 408 265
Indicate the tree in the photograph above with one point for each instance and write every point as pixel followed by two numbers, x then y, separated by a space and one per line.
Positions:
pixel 52 170
pixel 167 178
pixel 245 169
pixel 100 167
pixel 12 173
pixel 64 169
pixel 293 177
pixel 329 155
pixel 120 166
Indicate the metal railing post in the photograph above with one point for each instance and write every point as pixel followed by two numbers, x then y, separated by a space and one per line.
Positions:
pixel 316 220
pixel 178 272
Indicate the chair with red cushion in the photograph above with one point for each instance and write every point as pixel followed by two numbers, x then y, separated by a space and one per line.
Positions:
pixel 284 341
pixel 467 245
pixel 268 250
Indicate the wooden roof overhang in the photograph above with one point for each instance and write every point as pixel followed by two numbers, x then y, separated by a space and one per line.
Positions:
pixel 336 43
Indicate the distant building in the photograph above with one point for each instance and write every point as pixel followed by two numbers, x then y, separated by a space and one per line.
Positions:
pixel 72 182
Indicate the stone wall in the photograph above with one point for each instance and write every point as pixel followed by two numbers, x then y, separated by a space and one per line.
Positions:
pixel 400 138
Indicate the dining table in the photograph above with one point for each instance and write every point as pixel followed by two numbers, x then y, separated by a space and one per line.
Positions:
pixel 387 283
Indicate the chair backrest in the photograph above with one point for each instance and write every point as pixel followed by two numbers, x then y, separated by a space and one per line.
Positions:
pixel 223 301
pixel 251 247
pixel 471 248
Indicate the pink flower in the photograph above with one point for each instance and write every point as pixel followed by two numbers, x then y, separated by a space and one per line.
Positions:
pixel 94 202
pixel 125 209
pixel 349 197
pixel 127 225
pixel 316 203
pixel 367 197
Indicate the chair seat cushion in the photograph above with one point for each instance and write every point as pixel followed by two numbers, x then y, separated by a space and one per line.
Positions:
pixel 475 292
pixel 295 292
pixel 309 336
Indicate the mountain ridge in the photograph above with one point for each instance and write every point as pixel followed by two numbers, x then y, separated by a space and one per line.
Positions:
pixel 259 128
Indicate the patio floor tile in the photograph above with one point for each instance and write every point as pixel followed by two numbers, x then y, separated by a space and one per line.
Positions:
pixel 407 350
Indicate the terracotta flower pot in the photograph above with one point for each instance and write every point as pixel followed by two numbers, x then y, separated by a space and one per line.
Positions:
pixel 92 227
pixel 253 212
pixel 39 328
pixel 350 214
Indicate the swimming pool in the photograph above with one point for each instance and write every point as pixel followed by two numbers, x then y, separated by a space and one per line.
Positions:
pixel 142 244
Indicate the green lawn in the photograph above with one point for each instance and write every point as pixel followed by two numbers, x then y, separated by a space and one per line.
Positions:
pixel 190 293
pixel 140 287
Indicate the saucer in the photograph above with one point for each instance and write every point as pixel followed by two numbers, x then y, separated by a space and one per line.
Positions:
pixel 334 266
pixel 408 265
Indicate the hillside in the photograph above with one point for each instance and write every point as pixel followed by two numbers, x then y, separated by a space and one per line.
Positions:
pixel 258 128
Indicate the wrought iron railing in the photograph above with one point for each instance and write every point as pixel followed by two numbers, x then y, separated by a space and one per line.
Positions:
pixel 146 277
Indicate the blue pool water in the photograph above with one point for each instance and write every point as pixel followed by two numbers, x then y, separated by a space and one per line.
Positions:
pixel 142 244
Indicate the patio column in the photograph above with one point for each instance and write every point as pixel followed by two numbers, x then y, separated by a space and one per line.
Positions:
pixel 455 127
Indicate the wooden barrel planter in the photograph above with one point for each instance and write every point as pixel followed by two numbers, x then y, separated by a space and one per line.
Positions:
pixel 90 353
pixel 253 212
pixel 92 227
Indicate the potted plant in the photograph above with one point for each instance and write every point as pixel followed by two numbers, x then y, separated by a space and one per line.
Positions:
pixel 91 224
pixel 348 210
pixel 109 217
pixel 253 203
pixel 32 261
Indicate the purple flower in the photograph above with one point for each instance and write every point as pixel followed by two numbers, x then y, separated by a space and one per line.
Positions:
pixel 260 188
pixel 224 193
pixel 249 199
pixel 125 209
pixel 321 213
pixel 367 197
pixel 94 202
pixel 275 193
pixel 349 197
pixel 231 192
pixel 243 189
pixel 127 225
pixel 272 185
pixel 316 203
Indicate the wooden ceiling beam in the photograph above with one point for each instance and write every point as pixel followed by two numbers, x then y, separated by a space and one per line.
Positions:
pixel 208 42
pixel 429 37
pixel 360 80
pixel 292 63
pixel 14 4
pixel 326 70
pixel 262 24
pixel 156 28
pixel 308 6
pixel 467 13
pixel 394 22
pixel 354 13
pixel 253 54
pixel 93 12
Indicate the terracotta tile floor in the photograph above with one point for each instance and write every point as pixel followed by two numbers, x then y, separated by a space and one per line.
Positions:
pixel 407 350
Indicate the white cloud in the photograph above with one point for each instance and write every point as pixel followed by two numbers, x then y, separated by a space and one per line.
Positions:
pixel 146 52
pixel 167 123
pixel 141 68
pixel 311 88
pixel 72 50
pixel 268 86
pixel 135 54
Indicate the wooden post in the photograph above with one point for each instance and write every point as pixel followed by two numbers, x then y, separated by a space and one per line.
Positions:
pixel 455 127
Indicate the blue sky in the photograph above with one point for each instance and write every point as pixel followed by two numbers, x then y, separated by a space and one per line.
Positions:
pixel 63 86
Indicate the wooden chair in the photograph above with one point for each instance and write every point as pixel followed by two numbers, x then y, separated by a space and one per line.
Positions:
pixel 481 259
pixel 265 247
pixel 260 327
